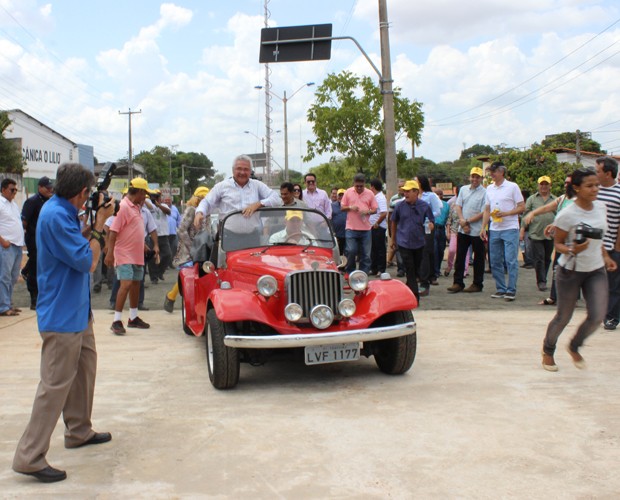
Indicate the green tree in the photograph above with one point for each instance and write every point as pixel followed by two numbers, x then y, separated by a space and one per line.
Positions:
pixel 161 164
pixel 336 173
pixel 569 140
pixel 525 167
pixel 347 121
pixel 477 150
pixel 10 156
pixel 410 119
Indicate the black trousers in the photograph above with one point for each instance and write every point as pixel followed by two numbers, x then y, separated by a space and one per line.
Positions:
pixel 412 260
pixel 156 271
pixel 541 255
pixel 31 270
pixel 463 242
pixel 427 267
pixel 378 253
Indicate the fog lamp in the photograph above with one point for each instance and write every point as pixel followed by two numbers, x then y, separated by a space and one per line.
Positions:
pixel 321 316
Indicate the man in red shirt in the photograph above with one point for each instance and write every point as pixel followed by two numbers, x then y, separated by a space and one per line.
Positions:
pixel 126 253
pixel 359 203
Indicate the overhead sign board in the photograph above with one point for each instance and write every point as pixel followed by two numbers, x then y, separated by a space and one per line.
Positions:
pixel 295 43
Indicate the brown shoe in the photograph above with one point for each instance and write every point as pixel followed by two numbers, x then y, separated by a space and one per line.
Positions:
pixel 473 289
pixel 455 288
pixel 548 362
pixel 578 360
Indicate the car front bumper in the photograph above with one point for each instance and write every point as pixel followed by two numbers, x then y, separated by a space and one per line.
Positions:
pixel 325 338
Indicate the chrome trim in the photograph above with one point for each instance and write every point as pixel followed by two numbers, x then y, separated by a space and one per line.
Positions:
pixel 325 338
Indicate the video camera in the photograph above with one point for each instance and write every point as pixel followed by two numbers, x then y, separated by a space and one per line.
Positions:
pixel 584 231
pixel 105 177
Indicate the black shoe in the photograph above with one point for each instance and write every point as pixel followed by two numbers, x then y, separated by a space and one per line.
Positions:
pixel 142 307
pixel 33 306
pixel 137 323
pixel 168 305
pixel 48 475
pixel 610 324
pixel 400 274
pixel 154 282
pixel 97 288
pixel 424 292
pixel 98 438
pixel 117 328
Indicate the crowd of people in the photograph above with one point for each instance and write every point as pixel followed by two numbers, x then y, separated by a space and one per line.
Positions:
pixel 575 236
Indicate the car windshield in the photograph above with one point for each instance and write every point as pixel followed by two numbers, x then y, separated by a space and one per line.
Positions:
pixel 276 226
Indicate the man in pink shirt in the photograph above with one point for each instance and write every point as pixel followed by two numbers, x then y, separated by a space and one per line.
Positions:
pixel 126 253
pixel 359 203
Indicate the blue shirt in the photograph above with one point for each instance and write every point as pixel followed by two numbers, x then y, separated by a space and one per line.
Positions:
pixel 443 215
pixel 409 220
pixel 174 219
pixel 433 200
pixel 339 219
pixel 64 258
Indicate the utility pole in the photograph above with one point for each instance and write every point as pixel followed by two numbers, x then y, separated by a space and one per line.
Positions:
pixel 130 157
pixel 578 147
pixel 389 129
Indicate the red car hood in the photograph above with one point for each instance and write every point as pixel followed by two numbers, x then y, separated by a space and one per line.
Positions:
pixel 281 261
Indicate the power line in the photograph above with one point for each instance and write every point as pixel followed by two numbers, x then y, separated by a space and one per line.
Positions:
pixel 534 76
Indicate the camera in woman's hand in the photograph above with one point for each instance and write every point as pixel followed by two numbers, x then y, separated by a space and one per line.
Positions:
pixel 584 231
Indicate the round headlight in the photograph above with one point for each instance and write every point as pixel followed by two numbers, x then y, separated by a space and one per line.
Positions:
pixel 293 312
pixel 267 285
pixel 346 308
pixel 321 317
pixel 358 280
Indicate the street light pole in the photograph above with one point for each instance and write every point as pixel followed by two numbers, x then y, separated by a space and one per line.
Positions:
pixel 285 100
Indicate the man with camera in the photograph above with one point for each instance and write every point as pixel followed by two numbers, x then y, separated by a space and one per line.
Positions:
pixel 609 193
pixel 65 320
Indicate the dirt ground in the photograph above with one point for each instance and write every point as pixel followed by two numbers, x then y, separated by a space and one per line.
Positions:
pixel 475 417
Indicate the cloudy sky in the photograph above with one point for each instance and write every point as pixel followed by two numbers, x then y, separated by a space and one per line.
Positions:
pixel 488 72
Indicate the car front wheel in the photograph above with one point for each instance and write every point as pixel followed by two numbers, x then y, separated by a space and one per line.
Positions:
pixel 222 361
pixel 395 356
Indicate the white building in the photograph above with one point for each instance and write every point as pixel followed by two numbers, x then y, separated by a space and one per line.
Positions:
pixel 43 149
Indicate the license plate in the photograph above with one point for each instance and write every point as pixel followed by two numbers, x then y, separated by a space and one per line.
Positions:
pixel 333 353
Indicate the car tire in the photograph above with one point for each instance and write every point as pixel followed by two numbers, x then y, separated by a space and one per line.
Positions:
pixel 186 328
pixel 222 361
pixel 395 356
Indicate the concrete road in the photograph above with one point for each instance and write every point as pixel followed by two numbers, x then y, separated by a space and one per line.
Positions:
pixel 476 417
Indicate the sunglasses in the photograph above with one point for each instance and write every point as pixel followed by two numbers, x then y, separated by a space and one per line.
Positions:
pixel 310 182
pixel 297 190
pixel 13 190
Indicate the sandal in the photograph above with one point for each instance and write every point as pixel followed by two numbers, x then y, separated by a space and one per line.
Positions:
pixel 16 309
pixel 9 312
pixel 547 302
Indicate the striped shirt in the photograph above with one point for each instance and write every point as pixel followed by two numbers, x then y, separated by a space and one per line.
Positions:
pixel 611 197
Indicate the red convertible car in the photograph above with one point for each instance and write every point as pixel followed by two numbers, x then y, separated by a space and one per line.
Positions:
pixel 273 281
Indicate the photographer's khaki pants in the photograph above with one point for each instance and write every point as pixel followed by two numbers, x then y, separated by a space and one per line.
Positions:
pixel 68 369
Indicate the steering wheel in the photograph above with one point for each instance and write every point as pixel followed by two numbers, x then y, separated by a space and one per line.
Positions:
pixel 293 237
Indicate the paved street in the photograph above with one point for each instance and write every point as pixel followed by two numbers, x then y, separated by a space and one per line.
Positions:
pixel 476 417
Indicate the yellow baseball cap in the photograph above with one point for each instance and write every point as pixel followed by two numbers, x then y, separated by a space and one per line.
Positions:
pixel 409 185
pixel 476 171
pixel 291 214
pixel 140 183
pixel 201 191
pixel 341 191
pixel 544 178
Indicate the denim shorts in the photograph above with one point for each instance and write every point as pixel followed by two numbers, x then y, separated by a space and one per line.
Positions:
pixel 131 272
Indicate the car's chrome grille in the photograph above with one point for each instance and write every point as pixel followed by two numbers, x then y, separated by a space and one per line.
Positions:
pixel 310 288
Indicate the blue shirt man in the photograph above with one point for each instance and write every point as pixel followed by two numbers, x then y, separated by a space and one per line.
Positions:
pixel 68 352
pixel 408 225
